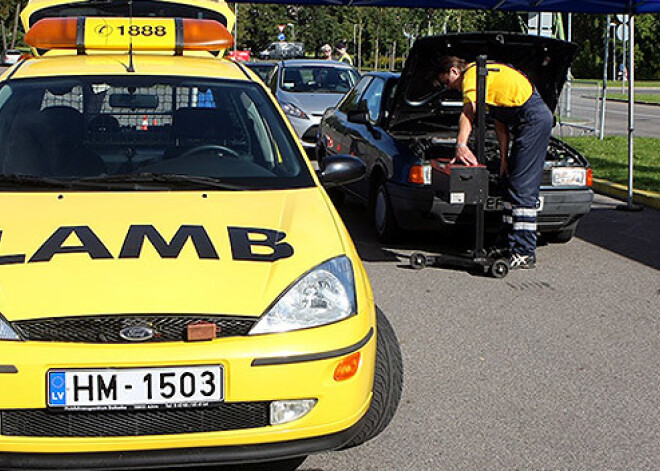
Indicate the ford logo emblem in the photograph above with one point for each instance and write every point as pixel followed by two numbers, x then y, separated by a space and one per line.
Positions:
pixel 136 333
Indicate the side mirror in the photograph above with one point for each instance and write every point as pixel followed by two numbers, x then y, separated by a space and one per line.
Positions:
pixel 341 170
pixel 358 117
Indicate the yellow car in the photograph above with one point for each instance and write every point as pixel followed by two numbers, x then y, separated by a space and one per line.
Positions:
pixel 176 287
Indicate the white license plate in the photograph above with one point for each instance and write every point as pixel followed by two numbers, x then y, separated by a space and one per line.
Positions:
pixel 136 387
pixel 494 203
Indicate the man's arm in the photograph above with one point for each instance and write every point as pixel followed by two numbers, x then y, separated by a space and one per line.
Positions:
pixel 502 132
pixel 463 152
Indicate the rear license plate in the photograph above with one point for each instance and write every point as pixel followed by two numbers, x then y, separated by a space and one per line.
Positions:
pixel 128 388
pixel 494 203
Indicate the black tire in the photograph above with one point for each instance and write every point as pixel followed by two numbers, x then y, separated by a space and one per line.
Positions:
pixel 388 383
pixel 563 236
pixel 290 464
pixel 499 268
pixel 386 227
pixel 418 260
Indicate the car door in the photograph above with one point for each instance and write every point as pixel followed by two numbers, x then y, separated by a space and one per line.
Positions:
pixel 370 140
pixel 337 133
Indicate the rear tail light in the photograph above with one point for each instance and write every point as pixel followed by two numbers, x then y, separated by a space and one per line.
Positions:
pixel 590 177
pixel 420 174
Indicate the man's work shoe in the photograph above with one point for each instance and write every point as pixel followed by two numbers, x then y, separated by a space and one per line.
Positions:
pixel 522 261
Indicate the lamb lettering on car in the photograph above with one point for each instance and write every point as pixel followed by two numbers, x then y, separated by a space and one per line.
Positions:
pixel 240 238
pixel 176 287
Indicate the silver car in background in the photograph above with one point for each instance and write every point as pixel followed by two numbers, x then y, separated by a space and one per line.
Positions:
pixel 305 88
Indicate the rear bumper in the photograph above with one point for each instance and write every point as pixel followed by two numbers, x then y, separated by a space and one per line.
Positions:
pixel 419 209
pixel 177 457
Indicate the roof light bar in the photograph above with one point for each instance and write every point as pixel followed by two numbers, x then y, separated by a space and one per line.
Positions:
pixel 119 34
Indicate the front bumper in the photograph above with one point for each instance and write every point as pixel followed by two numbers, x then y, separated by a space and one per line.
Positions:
pixel 263 368
pixel 417 208
pixel 177 457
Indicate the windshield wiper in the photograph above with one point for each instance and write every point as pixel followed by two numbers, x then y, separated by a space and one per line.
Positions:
pixel 188 180
pixel 32 181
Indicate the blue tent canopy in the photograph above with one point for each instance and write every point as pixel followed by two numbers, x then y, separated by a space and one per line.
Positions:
pixel 575 6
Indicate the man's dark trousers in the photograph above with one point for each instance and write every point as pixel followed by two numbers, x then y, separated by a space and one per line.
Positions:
pixel 530 125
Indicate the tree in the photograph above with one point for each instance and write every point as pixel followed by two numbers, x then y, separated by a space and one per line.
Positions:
pixel 11 34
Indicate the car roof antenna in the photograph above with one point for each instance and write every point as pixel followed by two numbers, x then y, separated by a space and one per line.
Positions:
pixel 130 44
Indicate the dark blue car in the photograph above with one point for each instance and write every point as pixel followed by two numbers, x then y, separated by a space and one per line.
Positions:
pixel 402 126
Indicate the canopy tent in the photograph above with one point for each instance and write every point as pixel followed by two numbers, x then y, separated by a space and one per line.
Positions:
pixel 631 7
pixel 569 6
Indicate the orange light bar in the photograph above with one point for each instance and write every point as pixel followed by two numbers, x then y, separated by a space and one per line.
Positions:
pixel 54 33
pixel 347 367
pixel 205 35
pixel 590 177
pixel 140 34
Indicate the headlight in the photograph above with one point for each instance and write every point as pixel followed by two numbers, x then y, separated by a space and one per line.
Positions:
pixel 293 110
pixel 567 176
pixel 323 295
pixel 6 332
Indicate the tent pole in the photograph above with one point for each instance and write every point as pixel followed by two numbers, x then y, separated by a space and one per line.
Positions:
pixel 603 102
pixel 630 206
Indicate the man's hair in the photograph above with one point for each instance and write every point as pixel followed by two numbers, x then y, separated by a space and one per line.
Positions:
pixel 326 47
pixel 340 46
pixel 445 63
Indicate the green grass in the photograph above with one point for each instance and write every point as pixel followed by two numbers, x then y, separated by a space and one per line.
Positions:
pixel 644 97
pixel 612 83
pixel 609 159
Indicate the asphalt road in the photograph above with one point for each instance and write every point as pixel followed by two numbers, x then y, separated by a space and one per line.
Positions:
pixel 553 368
pixel 583 113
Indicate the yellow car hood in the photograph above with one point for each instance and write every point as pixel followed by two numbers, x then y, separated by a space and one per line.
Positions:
pixel 158 252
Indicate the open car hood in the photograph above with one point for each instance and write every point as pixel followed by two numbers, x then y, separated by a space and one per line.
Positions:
pixel 545 61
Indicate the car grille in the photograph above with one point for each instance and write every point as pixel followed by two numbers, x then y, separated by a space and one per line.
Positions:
pixel 44 423
pixel 105 329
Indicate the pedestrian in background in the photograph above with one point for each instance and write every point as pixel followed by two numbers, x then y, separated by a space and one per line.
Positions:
pixel 521 114
pixel 326 49
pixel 343 55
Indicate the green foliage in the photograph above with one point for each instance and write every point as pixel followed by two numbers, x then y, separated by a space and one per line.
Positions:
pixel 381 27
pixel 7 17
pixel 376 27
pixel 589 33
pixel 639 97
pixel 609 159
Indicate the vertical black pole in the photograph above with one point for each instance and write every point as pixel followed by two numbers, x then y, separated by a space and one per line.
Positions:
pixel 482 72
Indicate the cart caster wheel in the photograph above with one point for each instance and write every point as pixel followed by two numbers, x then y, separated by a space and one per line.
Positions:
pixel 418 261
pixel 499 268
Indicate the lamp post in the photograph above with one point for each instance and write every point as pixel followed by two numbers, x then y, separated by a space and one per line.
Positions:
pixel 293 32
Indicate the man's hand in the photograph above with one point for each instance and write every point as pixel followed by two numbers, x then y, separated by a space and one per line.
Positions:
pixel 504 168
pixel 465 155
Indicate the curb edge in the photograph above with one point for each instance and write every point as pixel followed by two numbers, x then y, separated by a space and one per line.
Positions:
pixel 615 190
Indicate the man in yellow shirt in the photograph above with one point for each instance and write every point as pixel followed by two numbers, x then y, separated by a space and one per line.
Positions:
pixel 522 117
pixel 342 54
